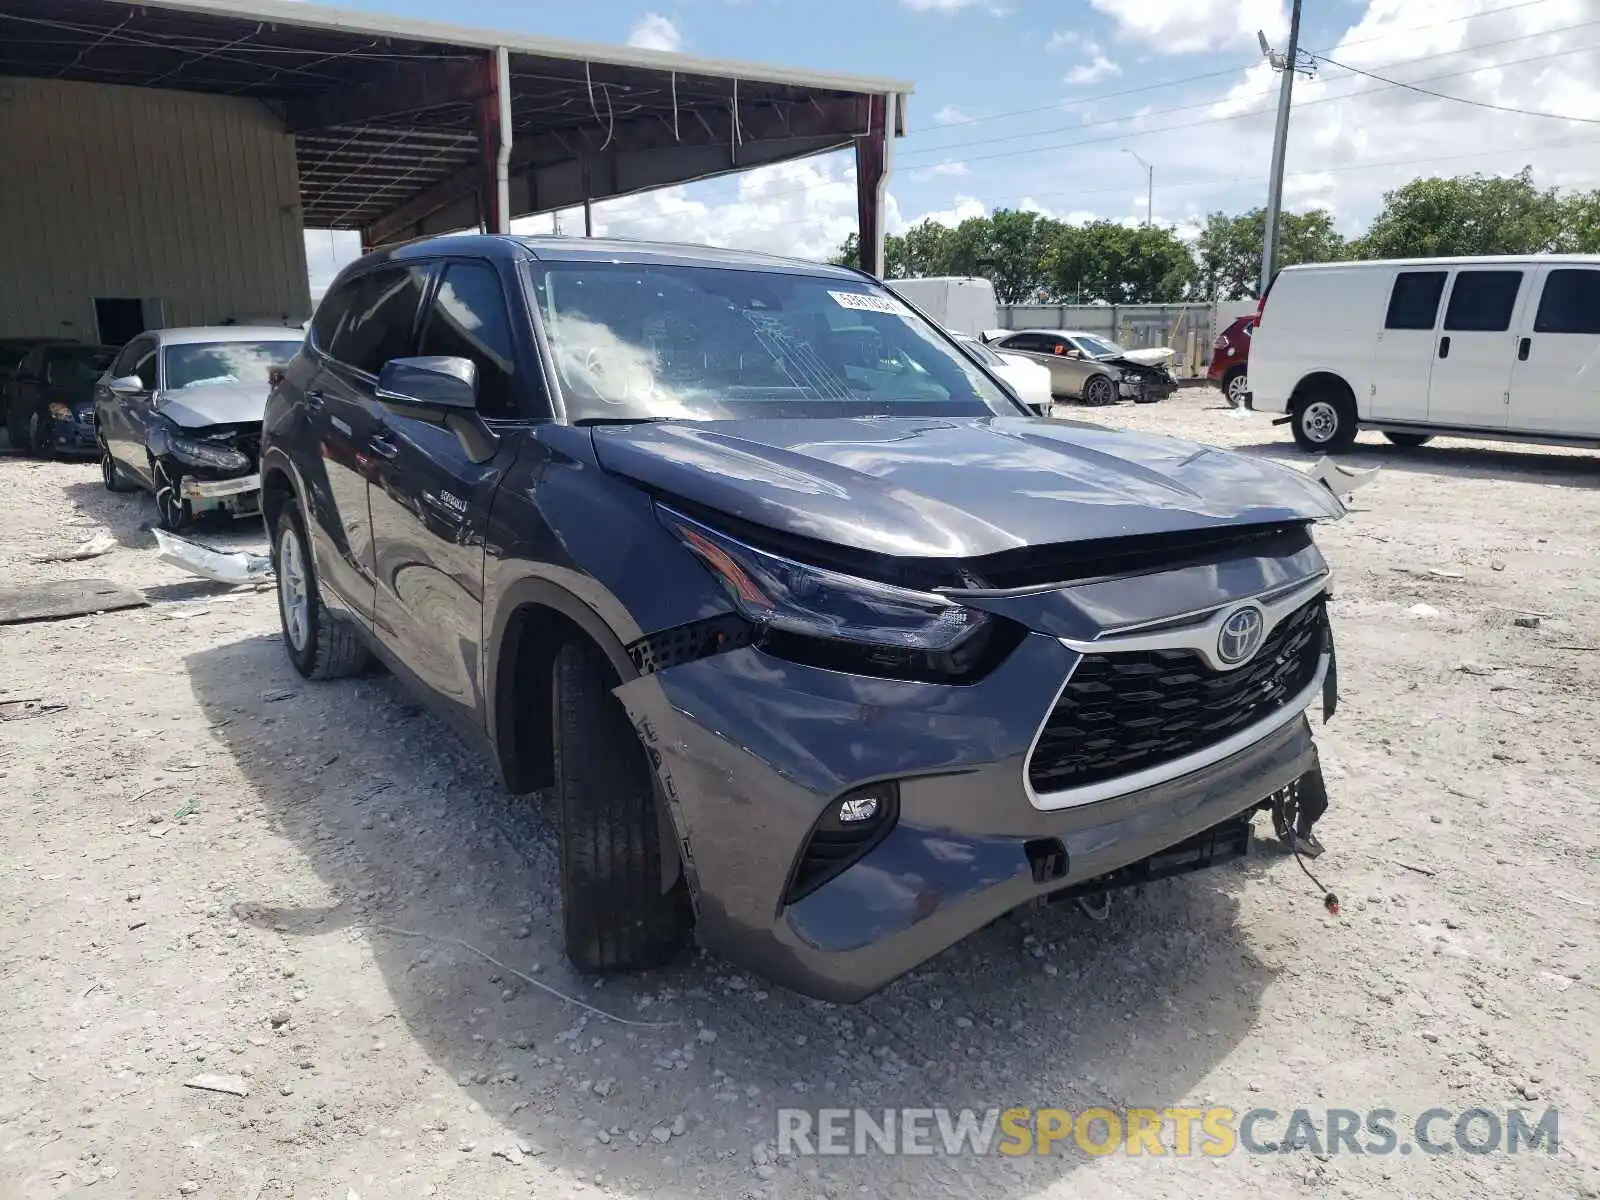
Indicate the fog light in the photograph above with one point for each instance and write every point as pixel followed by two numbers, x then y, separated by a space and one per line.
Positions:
pixel 862 808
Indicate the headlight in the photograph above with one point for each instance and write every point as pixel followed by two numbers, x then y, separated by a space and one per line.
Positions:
pixel 206 454
pixel 781 594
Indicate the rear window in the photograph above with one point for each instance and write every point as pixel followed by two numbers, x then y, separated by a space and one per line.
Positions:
pixel 1414 303
pixel 203 364
pixel 1570 302
pixel 1482 301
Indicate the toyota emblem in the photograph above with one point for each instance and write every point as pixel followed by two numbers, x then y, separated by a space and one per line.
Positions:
pixel 1241 635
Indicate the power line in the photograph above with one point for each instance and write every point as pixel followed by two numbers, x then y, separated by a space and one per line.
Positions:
pixel 1208 103
pixel 1411 87
pixel 1167 83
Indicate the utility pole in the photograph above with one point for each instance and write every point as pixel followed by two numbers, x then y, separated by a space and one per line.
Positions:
pixel 1287 63
pixel 1149 185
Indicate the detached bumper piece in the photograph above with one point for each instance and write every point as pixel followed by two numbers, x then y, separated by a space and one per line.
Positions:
pixel 217 489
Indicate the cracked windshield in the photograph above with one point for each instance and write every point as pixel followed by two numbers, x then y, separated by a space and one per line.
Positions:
pixel 636 342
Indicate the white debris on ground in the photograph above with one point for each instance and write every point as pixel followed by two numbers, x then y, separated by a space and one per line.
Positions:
pixel 293 819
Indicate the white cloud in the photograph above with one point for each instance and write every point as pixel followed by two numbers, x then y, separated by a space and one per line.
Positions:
pixel 951 115
pixel 805 209
pixel 954 6
pixel 1190 26
pixel 953 169
pixel 1063 39
pixel 1100 67
pixel 655 32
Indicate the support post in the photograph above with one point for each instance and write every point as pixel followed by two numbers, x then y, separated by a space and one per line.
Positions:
pixel 495 144
pixel 874 154
pixel 1280 144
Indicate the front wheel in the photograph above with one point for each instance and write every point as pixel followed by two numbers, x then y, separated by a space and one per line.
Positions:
pixel 1099 391
pixel 172 510
pixel 616 916
pixel 110 472
pixel 1410 440
pixel 319 646
pixel 1325 423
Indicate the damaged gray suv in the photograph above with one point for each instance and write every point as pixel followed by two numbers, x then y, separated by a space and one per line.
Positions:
pixel 826 650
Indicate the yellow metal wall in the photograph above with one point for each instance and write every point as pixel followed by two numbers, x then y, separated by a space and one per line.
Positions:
pixel 140 192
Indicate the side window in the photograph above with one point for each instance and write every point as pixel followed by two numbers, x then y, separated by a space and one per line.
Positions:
pixel 1029 343
pixel 1482 301
pixel 145 366
pixel 1414 303
pixel 469 320
pixel 1570 303
pixel 32 367
pixel 381 319
pixel 330 313
pixel 128 358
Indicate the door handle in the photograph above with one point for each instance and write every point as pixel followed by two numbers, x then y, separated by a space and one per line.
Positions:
pixel 382 446
pixel 1523 347
pixel 1444 347
pixel 315 399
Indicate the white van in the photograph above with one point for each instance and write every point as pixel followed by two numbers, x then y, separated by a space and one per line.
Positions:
pixel 962 304
pixel 1504 348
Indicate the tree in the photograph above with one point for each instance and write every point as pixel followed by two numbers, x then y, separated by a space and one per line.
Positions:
pixel 1229 248
pixel 1118 264
pixel 1578 224
pixel 1469 214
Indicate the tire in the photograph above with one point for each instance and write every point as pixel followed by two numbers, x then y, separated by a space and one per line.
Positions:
pixel 1236 387
pixel 39 434
pixel 616 917
pixel 16 427
pixel 111 473
pixel 1325 422
pixel 318 646
pixel 1099 391
pixel 172 511
pixel 1409 440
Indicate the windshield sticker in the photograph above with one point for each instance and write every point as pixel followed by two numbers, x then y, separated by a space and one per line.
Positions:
pixel 862 302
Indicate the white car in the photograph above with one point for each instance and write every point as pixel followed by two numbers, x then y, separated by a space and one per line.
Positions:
pixel 1028 379
pixel 1504 348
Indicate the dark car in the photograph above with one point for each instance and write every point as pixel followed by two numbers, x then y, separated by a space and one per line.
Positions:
pixel 52 398
pixel 1230 361
pixel 826 649
pixel 12 351
pixel 179 413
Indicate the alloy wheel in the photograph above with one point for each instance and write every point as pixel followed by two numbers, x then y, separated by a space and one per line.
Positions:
pixel 293 590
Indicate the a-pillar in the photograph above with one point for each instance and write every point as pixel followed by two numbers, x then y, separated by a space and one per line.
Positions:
pixel 874 150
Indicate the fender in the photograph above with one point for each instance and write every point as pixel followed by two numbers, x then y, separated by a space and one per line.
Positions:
pixel 540 591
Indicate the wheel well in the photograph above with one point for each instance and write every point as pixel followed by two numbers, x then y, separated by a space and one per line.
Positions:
pixel 1323 384
pixel 276 492
pixel 524 719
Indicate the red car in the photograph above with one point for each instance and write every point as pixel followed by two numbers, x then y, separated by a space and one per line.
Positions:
pixel 1230 358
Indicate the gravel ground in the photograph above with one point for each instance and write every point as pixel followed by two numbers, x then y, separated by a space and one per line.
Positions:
pixel 207 860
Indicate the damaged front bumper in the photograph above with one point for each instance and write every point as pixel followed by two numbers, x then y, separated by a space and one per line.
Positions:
pixel 243 488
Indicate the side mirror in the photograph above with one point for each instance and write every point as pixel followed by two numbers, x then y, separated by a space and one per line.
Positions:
pixel 126 383
pixel 435 381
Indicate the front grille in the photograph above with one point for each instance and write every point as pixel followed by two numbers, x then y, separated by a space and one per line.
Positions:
pixel 1129 711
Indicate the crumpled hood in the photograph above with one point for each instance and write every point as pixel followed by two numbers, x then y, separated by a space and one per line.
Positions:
pixel 214 404
pixel 941 487
pixel 1153 356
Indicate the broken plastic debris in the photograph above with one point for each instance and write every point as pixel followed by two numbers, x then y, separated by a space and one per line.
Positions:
pixel 93 548
pixel 1341 481
pixel 232 1085
pixel 219 566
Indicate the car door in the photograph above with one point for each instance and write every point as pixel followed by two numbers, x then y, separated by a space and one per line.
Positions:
pixel 1404 354
pixel 431 500
pixel 1555 380
pixel 123 415
pixel 1065 380
pixel 1470 386
pixel 371 320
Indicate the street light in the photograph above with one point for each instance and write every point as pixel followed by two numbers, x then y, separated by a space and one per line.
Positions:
pixel 1150 185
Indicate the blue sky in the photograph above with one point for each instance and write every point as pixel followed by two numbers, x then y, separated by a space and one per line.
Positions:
pixel 1179 83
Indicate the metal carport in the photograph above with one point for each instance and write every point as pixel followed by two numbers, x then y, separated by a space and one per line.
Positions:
pixel 404 128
